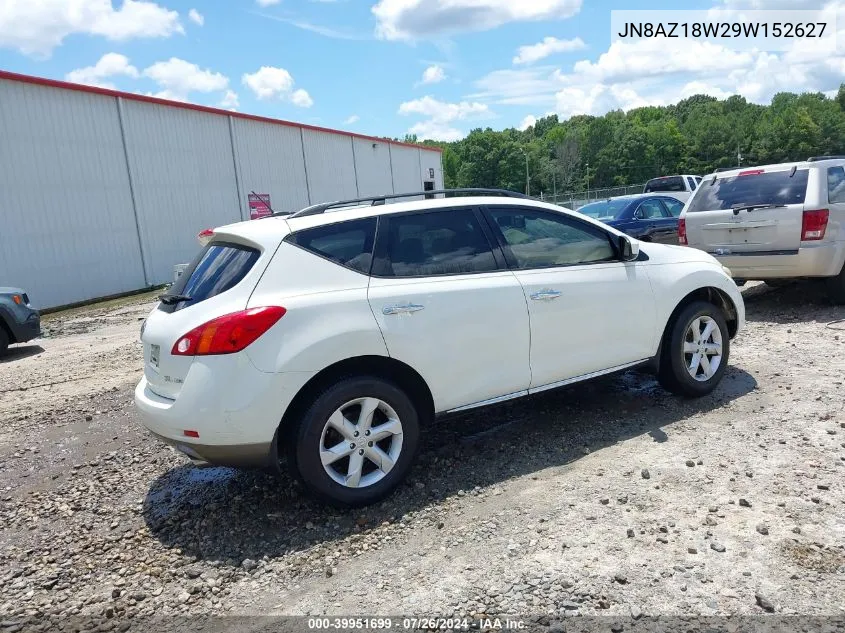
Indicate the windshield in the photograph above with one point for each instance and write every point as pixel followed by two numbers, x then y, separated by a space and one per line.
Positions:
pixel 670 183
pixel 755 188
pixel 605 210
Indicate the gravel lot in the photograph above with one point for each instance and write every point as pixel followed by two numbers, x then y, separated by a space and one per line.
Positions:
pixel 612 498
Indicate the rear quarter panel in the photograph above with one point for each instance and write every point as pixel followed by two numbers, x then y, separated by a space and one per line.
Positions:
pixel 328 317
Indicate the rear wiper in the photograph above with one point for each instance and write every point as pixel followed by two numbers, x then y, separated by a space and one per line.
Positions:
pixel 755 207
pixel 171 299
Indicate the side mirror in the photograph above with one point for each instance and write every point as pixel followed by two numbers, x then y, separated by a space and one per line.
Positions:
pixel 629 249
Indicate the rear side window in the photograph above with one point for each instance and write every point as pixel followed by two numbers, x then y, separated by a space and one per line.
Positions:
pixel 448 242
pixel 670 183
pixel 349 244
pixel 219 267
pixel 836 184
pixel 692 183
pixel 771 187
pixel 675 206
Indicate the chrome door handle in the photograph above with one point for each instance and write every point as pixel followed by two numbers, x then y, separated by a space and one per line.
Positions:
pixel 546 294
pixel 402 308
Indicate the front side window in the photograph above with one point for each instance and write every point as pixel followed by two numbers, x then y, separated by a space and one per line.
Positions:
pixel 447 242
pixel 539 239
pixel 836 184
pixel 349 243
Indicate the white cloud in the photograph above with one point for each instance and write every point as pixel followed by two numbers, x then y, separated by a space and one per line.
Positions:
pixel 301 98
pixel 196 17
pixel 352 120
pixel 549 46
pixel 436 131
pixel 109 65
pixel 527 122
pixel 269 82
pixel 230 100
pixel 178 78
pixel 36 27
pixel 415 19
pixel 267 3
pixel 441 115
pixel 433 74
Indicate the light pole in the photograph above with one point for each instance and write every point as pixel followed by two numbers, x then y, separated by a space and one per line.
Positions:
pixel 588 182
pixel 527 175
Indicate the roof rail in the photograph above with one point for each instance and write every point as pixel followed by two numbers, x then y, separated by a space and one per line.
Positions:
pixel 814 159
pixel 316 209
pixel 718 169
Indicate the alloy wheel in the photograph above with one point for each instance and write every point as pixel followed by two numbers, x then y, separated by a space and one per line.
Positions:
pixel 703 348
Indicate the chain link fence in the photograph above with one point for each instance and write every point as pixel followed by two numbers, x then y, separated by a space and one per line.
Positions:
pixel 573 200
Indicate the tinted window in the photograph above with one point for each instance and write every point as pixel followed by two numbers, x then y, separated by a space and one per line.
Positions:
pixel 448 242
pixel 772 187
pixel 670 183
pixel 650 209
pixel 675 206
pixel 605 210
pixel 219 267
pixel 836 184
pixel 538 240
pixel 692 183
pixel 347 243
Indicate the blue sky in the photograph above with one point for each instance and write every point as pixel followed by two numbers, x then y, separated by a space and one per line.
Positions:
pixel 437 68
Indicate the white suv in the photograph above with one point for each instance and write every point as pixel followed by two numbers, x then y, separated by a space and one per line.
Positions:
pixel 331 338
pixel 774 222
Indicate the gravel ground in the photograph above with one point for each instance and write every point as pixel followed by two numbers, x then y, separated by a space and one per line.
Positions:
pixel 610 498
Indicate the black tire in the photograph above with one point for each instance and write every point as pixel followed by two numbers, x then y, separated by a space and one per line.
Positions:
pixel 4 340
pixel 306 435
pixel 836 288
pixel 673 374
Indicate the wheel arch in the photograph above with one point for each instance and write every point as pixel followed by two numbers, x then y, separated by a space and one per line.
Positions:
pixel 389 369
pixel 710 294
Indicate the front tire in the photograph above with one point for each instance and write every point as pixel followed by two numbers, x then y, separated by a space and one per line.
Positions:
pixel 4 340
pixel 356 442
pixel 695 351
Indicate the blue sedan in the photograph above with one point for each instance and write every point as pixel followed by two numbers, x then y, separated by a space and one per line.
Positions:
pixel 647 217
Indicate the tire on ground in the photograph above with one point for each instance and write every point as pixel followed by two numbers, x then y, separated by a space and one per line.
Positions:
pixel 673 374
pixel 4 339
pixel 304 438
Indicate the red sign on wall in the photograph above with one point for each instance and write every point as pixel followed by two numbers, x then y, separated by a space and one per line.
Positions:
pixel 259 205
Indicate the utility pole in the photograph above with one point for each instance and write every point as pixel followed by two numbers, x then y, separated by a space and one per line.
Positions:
pixel 588 182
pixel 738 157
pixel 527 175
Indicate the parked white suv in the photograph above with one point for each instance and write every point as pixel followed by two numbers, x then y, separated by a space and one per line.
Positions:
pixel 332 337
pixel 773 222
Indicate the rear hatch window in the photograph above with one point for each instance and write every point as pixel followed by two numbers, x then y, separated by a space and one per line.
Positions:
pixel 219 267
pixel 753 189
pixel 670 183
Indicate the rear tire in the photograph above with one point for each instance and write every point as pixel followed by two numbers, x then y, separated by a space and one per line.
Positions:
pixel 369 413
pixel 691 364
pixel 4 340
pixel 836 288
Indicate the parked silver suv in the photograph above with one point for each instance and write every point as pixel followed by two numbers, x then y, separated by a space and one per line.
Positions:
pixel 773 222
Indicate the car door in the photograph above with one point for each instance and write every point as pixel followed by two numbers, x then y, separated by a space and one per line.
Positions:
pixel 590 312
pixel 448 306
pixel 658 225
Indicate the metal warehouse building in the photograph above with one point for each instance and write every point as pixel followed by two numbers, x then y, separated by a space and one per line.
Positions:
pixel 103 192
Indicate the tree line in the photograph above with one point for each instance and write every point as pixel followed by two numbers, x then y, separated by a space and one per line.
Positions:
pixel 694 136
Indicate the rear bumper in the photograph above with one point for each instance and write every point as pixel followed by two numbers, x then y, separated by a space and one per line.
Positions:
pixel 817 260
pixel 233 407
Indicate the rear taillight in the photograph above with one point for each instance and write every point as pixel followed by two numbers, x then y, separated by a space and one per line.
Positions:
pixel 814 224
pixel 229 333
pixel 682 232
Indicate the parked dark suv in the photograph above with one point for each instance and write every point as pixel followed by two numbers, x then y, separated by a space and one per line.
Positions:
pixel 19 322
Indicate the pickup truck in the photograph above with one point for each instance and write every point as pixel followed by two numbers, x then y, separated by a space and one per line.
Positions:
pixel 679 187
